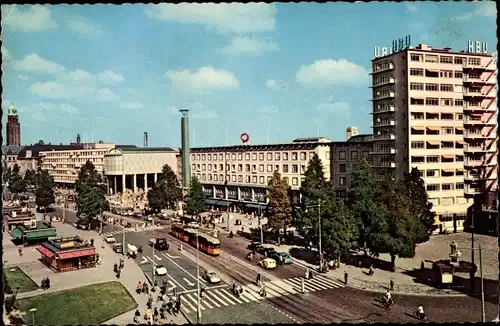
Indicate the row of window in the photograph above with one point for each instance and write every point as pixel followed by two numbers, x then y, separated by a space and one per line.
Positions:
pixel 245 179
pixel 446 201
pixel 250 168
pixel 82 160
pixel 433 58
pixel 261 156
pixel 443 158
pixel 436 144
pixel 417 131
pixel 445 186
pixel 437 116
pixel 79 153
pixel 438 173
pixel 434 101
pixel 434 87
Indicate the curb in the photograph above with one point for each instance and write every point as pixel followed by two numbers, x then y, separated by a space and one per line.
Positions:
pixel 187 318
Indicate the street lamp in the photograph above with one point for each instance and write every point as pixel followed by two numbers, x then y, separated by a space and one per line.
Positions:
pixel 319 227
pixel 154 242
pixel 260 225
pixel 33 310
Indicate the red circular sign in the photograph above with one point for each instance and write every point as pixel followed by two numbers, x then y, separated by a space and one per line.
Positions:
pixel 244 137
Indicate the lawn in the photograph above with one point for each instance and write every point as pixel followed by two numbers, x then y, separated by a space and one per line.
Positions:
pixel 87 305
pixel 17 278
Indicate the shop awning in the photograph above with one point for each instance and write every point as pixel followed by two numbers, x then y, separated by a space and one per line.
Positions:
pixel 459 127
pixel 16 234
pixel 460 170
pixel 448 155
pixel 463 142
pixel 46 252
pixel 76 254
pixel 418 127
pixel 434 142
pixel 256 206
pixel 432 128
pixel 449 170
pixel 217 202
pixel 41 234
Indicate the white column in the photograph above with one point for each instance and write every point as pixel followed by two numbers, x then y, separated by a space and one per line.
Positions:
pixel 115 182
pixel 134 182
pixel 239 193
pixel 123 183
pixel 155 177
pixel 226 193
pixel 253 195
pixel 145 182
pixel 214 193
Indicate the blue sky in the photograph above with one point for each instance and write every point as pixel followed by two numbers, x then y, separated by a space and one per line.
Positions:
pixel 275 71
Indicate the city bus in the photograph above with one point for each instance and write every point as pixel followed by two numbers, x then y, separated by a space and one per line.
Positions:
pixel 207 244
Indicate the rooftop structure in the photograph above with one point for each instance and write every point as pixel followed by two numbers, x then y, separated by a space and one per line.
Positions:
pixel 70 253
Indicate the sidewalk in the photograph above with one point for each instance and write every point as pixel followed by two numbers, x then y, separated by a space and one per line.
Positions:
pixel 380 282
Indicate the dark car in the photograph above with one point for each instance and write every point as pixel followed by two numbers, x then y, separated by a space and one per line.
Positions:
pixel 159 243
pixel 267 250
pixel 254 246
pixel 82 224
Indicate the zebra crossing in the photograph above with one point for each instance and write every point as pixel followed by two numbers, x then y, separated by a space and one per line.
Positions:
pixel 222 296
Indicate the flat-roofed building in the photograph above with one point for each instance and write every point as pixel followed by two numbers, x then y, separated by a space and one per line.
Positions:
pixel 134 168
pixel 64 164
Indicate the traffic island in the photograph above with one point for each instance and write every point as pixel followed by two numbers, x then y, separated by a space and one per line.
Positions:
pixel 87 305
pixel 17 280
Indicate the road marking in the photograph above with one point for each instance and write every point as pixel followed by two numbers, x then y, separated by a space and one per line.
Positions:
pixel 186 302
pixel 204 299
pixel 151 260
pixel 277 289
pixel 170 256
pixel 144 261
pixel 185 271
pixel 209 298
pixel 172 284
pixel 179 284
pixel 195 300
pixel 225 297
pixel 158 258
pixel 187 281
pixel 251 295
pixel 233 297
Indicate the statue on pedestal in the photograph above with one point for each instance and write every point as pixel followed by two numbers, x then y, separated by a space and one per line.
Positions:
pixel 454 248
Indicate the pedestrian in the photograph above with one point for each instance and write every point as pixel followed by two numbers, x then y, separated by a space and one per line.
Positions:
pixel 156 313
pixel 20 250
pixel 345 277
pixel 47 282
pixel 146 289
pixel 139 287
pixel 92 242
pixel 392 284
pixel 118 274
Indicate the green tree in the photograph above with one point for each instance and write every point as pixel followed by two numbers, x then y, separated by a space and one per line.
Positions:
pixel 29 178
pixel 314 191
pixel 196 203
pixel 16 182
pixel 156 198
pixel 364 203
pixel 7 171
pixel 279 206
pixel 419 203
pixel 171 189
pixel 44 193
pixel 339 228
pixel 91 193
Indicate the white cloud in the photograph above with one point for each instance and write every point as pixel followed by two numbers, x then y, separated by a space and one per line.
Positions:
pixel 131 105
pixel 250 46
pixel 83 26
pixel 482 9
pixel 106 95
pixel 5 54
pixel 411 7
pixel 203 78
pixel 224 17
pixel 275 85
pixel 110 77
pixel 27 18
pixel 335 107
pixel 22 77
pixel 46 111
pixel 205 115
pixel 34 63
pixel 328 72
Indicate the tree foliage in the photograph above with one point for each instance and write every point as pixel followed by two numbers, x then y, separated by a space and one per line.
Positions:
pixel 156 198
pixel 91 193
pixel 339 229
pixel 44 193
pixel 279 206
pixel 16 182
pixel 171 187
pixel 196 203
pixel 30 178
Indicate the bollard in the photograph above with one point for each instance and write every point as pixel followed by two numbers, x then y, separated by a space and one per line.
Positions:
pixel 180 247
pixel 302 286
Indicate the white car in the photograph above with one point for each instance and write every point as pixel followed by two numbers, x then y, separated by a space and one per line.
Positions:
pixel 193 225
pixel 160 270
pixel 211 277
pixel 109 238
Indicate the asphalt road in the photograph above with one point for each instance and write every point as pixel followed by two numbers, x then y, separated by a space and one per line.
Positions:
pixel 237 247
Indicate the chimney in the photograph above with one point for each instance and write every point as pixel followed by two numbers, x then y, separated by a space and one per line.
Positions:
pixel 145 139
pixel 186 175
pixel 351 132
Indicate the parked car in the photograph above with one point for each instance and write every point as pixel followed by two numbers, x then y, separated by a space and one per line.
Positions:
pixel 118 248
pixel 82 225
pixel 159 243
pixel 268 263
pixel 160 270
pixel 264 249
pixel 255 245
pixel 193 225
pixel 109 238
pixel 211 277
pixel 276 256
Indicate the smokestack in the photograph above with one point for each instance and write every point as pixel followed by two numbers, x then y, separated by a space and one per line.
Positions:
pixel 145 139
pixel 186 175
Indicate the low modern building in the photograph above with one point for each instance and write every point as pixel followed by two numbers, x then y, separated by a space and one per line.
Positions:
pixel 134 168
pixel 16 216
pixel 346 157
pixel 238 175
pixel 64 164
pixel 34 234
pixel 29 157
pixel 67 254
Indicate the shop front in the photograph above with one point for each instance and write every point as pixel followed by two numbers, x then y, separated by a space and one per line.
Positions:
pixel 25 236
pixel 68 254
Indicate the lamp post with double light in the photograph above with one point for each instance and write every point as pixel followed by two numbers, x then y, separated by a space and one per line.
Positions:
pixel 33 310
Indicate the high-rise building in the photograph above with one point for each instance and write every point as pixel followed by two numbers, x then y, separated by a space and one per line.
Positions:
pixel 13 127
pixel 435 109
